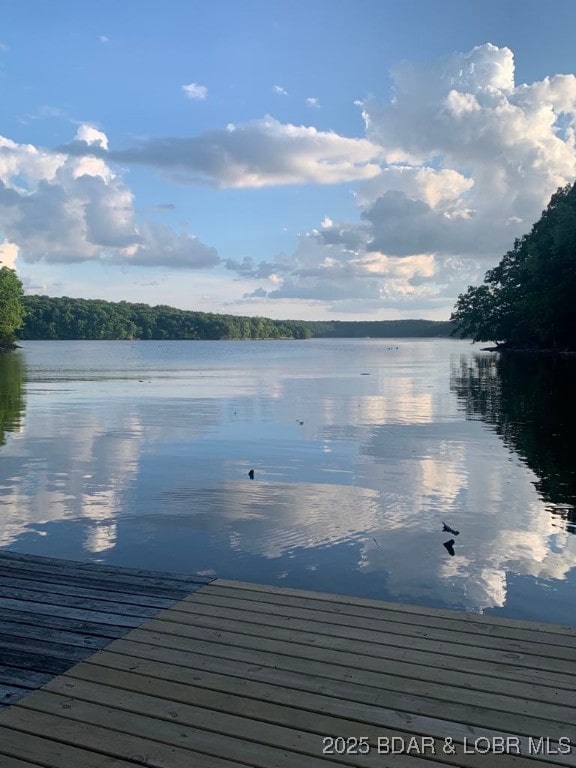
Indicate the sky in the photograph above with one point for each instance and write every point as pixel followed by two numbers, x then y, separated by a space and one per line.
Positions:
pixel 311 159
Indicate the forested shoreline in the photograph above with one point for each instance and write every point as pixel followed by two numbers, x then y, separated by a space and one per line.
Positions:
pixel 527 303
pixel 71 318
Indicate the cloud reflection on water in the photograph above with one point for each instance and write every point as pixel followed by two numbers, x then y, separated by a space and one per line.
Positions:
pixel 376 466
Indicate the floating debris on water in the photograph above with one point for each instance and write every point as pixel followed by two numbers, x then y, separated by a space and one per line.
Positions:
pixel 450 546
pixel 446 528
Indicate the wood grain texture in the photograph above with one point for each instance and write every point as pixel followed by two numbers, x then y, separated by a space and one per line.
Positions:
pixel 237 674
pixel 99 569
pixel 397 620
pixel 352 604
pixel 55 613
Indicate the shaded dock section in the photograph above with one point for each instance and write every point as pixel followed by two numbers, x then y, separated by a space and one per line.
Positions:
pixel 54 613
pixel 238 674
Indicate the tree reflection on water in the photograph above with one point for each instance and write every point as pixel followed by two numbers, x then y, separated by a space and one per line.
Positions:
pixel 530 402
pixel 11 393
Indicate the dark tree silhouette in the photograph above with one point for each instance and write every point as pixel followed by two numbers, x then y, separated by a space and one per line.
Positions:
pixel 529 299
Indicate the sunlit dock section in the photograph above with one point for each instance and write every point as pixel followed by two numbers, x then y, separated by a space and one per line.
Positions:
pixel 238 674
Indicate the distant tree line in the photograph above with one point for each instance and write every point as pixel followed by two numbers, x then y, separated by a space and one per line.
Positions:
pixel 528 301
pixel 69 318
pixel 346 329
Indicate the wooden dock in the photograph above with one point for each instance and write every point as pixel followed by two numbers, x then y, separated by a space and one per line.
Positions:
pixel 233 674
pixel 54 613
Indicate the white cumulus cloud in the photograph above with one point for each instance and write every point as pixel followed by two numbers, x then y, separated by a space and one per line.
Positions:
pixel 8 254
pixel 279 90
pixel 92 136
pixel 469 160
pixel 56 207
pixel 455 163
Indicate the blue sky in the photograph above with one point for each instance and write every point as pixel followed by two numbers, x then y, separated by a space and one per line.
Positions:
pixel 322 159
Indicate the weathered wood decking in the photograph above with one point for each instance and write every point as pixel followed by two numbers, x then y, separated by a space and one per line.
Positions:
pixel 247 675
pixel 54 613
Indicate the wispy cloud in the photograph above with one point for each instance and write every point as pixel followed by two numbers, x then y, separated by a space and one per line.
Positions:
pixel 279 90
pixel 313 102
pixel 195 91
pixel 46 112
pixel 104 39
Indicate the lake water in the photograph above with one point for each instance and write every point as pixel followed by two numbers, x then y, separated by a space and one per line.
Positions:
pixel 138 453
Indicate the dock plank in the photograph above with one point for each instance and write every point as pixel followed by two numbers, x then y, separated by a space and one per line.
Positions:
pixel 34 662
pixel 395 620
pixel 545 690
pixel 150 584
pixel 244 632
pixel 9 694
pixel 67 612
pixel 29 632
pixel 220 724
pixel 279 705
pixel 346 603
pixel 83 720
pixel 169 671
pixel 23 678
pixel 45 751
pixel 85 592
pixel 100 568
pixel 85 604
pixel 12 762
pixel 432 660
pixel 54 614
pixel 16 644
pixel 373 631
pixel 486 711
pixel 64 623
pixel 247 679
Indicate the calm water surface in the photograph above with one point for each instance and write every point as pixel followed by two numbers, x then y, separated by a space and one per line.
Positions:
pixel 137 454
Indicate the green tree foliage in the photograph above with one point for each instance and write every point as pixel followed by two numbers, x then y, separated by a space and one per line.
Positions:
pixel 11 306
pixel 529 299
pixel 11 393
pixel 66 318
